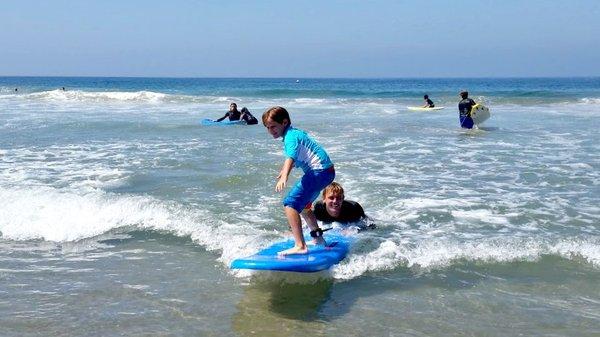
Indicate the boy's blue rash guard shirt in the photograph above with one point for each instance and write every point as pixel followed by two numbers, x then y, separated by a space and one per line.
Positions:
pixel 306 153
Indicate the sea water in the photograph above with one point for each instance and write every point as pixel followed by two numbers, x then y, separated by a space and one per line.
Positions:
pixel 120 213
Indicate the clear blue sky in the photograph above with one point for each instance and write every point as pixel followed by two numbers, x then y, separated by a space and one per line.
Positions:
pixel 235 38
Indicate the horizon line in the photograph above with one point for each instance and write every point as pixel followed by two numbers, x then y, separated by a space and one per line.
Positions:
pixel 304 77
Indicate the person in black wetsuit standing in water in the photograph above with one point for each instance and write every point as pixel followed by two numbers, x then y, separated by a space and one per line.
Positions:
pixel 464 110
pixel 233 113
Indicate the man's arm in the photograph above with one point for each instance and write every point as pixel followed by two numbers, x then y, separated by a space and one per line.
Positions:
pixel 222 118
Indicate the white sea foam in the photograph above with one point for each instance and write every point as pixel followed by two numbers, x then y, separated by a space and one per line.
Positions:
pixel 62 215
pixel 591 101
pixel 442 253
pixel 65 215
pixel 107 97
pixel 98 96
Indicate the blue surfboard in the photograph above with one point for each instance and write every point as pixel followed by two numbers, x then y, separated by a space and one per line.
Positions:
pixel 318 258
pixel 210 122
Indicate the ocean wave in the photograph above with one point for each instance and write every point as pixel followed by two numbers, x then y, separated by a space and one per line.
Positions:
pixel 62 215
pixel 443 253
pixel 590 100
pixel 86 96
pixel 66 215
pixel 142 96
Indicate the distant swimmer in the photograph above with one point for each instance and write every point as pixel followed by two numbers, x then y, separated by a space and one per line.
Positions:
pixel 334 208
pixel 247 117
pixel 428 102
pixel 233 113
pixel 16 89
pixel 63 89
pixel 464 110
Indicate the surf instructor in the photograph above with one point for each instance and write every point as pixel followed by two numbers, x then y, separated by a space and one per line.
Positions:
pixel 335 208
pixel 464 110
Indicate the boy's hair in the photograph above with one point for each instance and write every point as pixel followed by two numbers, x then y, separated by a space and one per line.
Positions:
pixel 426 97
pixel 277 114
pixel 464 94
pixel 333 188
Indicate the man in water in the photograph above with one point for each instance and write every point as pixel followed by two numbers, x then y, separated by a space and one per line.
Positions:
pixel 333 208
pixel 428 102
pixel 464 110
pixel 233 113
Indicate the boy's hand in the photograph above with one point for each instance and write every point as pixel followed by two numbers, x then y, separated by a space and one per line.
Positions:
pixel 282 177
pixel 280 184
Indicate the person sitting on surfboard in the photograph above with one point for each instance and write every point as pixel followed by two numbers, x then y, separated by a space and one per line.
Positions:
pixel 334 208
pixel 464 110
pixel 302 151
pixel 233 113
pixel 247 117
pixel 428 102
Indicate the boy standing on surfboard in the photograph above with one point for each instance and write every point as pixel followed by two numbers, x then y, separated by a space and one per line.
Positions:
pixel 302 151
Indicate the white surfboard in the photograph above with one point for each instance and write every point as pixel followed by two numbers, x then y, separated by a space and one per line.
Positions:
pixel 419 108
pixel 480 113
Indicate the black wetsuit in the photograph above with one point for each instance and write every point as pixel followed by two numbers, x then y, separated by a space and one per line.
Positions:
pixel 430 103
pixel 233 116
pixel 464 113
pixel 351 211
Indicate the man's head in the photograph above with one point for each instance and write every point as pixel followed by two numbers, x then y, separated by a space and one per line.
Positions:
pixel 426 97
pixel 464 94
pixel 232 107
pixel 333 197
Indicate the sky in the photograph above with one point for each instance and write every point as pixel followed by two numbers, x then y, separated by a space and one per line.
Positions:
pixel 350 39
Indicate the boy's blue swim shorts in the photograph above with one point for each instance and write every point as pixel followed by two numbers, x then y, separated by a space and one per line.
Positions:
pixel 307 189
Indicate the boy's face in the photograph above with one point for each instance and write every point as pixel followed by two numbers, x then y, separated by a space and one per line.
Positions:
pixel 333 203
pixel 276 129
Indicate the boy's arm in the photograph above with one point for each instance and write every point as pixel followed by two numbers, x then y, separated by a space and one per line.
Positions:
pixel 288 164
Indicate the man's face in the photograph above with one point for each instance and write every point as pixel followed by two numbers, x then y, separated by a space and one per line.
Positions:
pixel 333 203
pixel 232 107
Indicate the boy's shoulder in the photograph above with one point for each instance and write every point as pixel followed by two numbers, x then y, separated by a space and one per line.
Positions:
pixel 293 132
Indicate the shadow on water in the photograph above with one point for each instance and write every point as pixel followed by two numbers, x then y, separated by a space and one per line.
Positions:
pixel 277 307
pixel 292 300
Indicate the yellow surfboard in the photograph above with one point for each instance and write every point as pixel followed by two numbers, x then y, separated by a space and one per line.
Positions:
pixel 420 108
pixel 480 113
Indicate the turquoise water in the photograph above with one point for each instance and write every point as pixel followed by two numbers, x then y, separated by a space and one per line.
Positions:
pixel 121 213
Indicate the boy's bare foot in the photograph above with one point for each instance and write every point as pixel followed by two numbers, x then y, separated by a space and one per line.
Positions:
pixel 294 250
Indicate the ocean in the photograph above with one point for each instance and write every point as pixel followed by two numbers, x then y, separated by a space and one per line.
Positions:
pixel 120 213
